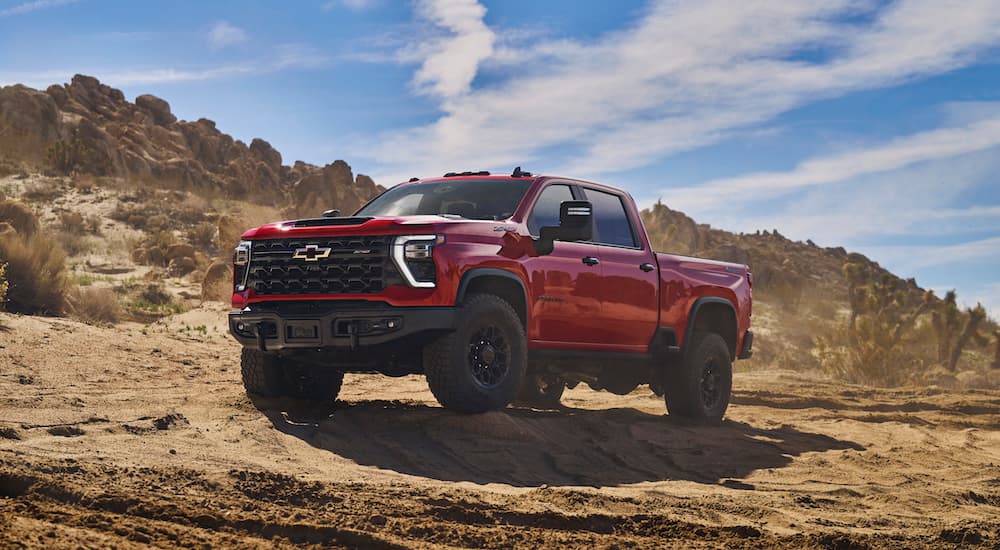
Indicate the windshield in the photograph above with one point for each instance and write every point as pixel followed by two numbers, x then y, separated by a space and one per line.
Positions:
pixel 470 199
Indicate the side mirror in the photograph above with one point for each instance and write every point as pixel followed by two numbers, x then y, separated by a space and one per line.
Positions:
pixel 576 223
pixel 331 213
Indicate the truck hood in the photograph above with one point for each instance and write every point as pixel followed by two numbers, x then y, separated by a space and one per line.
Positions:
pixel 326 227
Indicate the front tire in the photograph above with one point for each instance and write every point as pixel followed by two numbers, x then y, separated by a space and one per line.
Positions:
pixel 261 373
pixel 479 366
pixel 267 375
pixel 700 386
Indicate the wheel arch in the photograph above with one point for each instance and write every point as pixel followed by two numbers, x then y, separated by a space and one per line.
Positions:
pixel 713 314
pixel 490 280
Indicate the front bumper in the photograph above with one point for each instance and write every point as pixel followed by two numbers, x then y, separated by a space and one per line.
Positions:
pixel 334 328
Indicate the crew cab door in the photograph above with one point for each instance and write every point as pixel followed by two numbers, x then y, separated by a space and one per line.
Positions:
pixel 629 285
pixel 564 286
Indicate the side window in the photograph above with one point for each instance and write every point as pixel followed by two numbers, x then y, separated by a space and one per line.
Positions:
pixel 611 223
pixel 546 210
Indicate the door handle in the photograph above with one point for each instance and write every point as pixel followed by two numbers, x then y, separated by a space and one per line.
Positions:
pixel 647 267
pixel 590 260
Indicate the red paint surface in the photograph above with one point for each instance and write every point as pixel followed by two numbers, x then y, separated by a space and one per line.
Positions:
pixel 612 306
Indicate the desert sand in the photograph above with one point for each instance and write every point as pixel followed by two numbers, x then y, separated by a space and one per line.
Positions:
pixel 142 435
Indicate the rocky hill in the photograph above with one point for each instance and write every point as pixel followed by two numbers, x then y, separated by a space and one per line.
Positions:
pixel 786 270
pixel 86 127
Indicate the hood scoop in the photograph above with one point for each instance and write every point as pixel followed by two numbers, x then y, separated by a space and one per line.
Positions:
pixel 325 222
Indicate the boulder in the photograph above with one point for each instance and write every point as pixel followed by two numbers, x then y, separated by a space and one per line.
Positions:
pixel 158 108
pixel 179 251
pixel 262 151
pixel 217 283
pixel 30 122
pixel 179 267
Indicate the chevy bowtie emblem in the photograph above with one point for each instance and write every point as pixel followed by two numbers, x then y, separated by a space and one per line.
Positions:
pixel 311 253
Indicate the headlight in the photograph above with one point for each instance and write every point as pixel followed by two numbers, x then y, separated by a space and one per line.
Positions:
pixel 241 256
pixel 414 258
pixel 241 261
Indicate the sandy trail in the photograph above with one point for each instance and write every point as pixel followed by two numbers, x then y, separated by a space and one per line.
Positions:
pixel 143 436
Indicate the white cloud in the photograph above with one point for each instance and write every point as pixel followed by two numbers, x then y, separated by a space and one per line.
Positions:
pixel 285 57
pixel 685 75
pixel 914 257
pixel 223 35
pixel 28 7
pixel 449 63
pixel 904 151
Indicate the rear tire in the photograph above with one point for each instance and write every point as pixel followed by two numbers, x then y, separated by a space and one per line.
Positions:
pixel 479 366
pixel 540 392
pixel 699 387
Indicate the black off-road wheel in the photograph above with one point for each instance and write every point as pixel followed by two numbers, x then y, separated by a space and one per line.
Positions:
pixel 540 391
pixel 267 375
pixel 700 385
pixel 479 366
pixel 312 382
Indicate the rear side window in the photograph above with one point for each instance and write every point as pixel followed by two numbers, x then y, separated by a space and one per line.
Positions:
pixel 546 210
pixel 611 223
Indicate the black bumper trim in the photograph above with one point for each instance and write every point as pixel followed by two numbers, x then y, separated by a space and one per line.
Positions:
pixel 348 328
pixel 747 351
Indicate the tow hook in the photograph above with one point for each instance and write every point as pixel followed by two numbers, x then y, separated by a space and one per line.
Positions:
pixel 352 331
pixel 258 330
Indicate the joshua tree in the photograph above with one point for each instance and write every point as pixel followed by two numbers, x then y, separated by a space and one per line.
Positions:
pixel 947 322
pixel 856 274
pixel 976 316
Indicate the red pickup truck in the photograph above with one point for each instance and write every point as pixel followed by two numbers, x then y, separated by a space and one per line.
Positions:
pixel 499 289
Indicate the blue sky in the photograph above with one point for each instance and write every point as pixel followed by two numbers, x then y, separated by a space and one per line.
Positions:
pixel 858 123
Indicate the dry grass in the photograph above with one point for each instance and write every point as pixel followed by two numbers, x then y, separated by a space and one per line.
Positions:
pixel 75 222
pixel 162 210
pixel 36 274
pixel 39 190
pixel 19 216
pixel 203 237
pixel 96 306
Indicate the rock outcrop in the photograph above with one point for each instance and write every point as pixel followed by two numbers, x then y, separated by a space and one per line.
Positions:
pixel 86 127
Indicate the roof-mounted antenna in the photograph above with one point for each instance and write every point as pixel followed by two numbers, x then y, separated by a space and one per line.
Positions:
pixel 414 179
pixel 518 173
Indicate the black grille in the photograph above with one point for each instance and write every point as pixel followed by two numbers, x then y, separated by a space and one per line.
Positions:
pixel 355 265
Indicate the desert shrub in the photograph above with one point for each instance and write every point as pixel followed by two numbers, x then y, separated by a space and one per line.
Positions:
pixel 36 274
pixel 94 305
pixel 19 216
pixel 202 236
pixel 162 211
pixel 72 221
pixel 153 249
pixel 42 190
pixel 148 300
pixel 75 244
pixel 155 294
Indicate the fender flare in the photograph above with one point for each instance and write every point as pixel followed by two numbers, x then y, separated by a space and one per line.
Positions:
pixel 693 316
pixel 478 272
